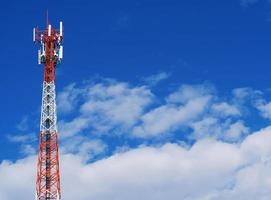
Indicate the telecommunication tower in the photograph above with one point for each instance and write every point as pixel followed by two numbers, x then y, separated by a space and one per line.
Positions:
pixel 50 54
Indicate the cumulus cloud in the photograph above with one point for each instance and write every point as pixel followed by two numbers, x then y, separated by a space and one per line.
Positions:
pixel 85 147
pixel 101 169
pixel 24 141
pixel 27 149
pixel 235 131
pixel 226 130
pixel 19 177
pixel 119 108
pixel 225 109
pixel 198 108
pixel 242 93
pixel 22 138
pixel 188 92
pixel 71 128
pixel 106 106
pixel 68 98
pixel 117 103
pixel 167 118
pixel 182 107
pixel 210 170
pixel 264 108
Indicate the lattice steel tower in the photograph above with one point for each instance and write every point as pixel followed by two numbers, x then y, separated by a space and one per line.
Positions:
pixel 50 55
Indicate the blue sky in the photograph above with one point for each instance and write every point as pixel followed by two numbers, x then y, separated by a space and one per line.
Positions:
pixel 163 74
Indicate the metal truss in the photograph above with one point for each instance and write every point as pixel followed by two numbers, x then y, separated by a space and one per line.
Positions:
pixel 48 181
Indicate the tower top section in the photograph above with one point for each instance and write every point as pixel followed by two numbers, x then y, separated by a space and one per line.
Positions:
pixel 50 52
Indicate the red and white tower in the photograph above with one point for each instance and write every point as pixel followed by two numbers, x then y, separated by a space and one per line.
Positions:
pixel 50 55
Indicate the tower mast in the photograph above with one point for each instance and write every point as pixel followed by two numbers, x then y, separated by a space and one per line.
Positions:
pixel 50 55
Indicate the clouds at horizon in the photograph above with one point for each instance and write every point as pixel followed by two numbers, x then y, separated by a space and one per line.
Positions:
pixel 209 169
pixel 227 159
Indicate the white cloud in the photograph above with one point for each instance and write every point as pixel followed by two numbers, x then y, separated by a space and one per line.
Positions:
pixel 188 92
pixel 264 108
pixel 68 98
pixel 18 179
pixel 205 127
pixel 182 107
pixel 119 108
pixel 88 149
pixel 224 163
pixel 27 149
pixel 236 131
pixel 156 78
pixel 117 103
pixel 25 142
pixel 22 138
pixel 209 170
pixel 242 93
pixel 68 129
pixel 84 147
pixel 107 106
pixel 225 109
pixel 167 118
pixel 227 130
pixel 23 125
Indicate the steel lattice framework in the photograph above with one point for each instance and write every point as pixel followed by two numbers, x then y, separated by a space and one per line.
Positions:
pixel 50 54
